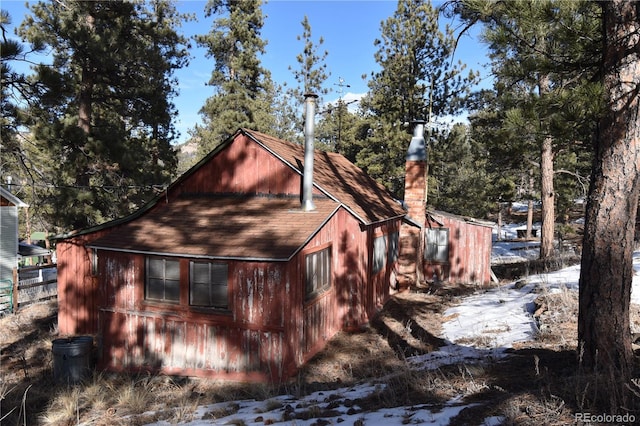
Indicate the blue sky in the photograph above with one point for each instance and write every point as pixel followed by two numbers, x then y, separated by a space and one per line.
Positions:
pixel 349 28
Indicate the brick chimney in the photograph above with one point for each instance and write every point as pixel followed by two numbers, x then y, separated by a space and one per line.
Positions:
pixel 415 200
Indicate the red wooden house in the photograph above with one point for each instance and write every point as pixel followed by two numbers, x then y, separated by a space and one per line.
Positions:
pixel 249 262
pixel 457 249
pixel 436 246
pixel 225 274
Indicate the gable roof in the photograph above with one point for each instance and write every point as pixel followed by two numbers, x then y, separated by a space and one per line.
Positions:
pixel 334 175
pixel 11 199
pixel 337 178
pixel 223 227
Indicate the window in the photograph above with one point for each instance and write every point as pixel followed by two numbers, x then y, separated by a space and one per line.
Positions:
pixel 94 262
pixel 317 272
pixel 379 253
pixel 437 245
pixel 162 280
pixel 208 285
pixel 385 249
pixel 394 246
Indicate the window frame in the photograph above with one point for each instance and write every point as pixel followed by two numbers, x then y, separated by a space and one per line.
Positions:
pixel 213 271
pixel 311 291
pixel 387 254
pixel 435 249
pixel 148 277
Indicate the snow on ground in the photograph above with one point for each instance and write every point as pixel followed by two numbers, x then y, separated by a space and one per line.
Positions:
pixel 481 328
pixel 507 249
pixel 259 412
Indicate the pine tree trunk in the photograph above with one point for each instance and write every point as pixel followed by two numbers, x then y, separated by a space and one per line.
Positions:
pixel 547 198
pixel 606 272
pixel 547 193
pixel 530 207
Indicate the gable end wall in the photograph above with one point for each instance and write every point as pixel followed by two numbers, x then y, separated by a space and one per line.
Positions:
pixel 242 167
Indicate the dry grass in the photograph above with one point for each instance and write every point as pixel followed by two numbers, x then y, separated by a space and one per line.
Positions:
pixel 540 383
pixel 556 315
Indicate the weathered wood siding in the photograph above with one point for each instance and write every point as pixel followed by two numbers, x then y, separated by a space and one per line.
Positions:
pixel 469 253
pixel 356 294
pixel 269 331
pixel 78 290
pixel 243 167
pixel 382 283
pixel 143 341
pixel 246 343
pixel 321 317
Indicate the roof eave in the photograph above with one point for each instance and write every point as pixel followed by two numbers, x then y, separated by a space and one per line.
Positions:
pixel 189 255
pixel 466 219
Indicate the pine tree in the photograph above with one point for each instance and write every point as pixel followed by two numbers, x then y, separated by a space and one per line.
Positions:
pixel 606 272
pixel 243 88
pixel 9 51
pixel 286 115
pixel 532 45
pixel 339 128
pixel 310 75
pixel 459 178
pixel 601 46
pixel 103 120
pixel 417 80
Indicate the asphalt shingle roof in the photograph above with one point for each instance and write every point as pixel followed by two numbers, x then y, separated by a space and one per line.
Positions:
pixel 248 226
pixel 259 228
pixel 338 178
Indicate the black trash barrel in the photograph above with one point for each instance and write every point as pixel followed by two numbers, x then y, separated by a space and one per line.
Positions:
pixel 72 359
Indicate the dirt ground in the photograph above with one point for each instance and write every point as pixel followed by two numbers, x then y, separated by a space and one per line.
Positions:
pixel 537 384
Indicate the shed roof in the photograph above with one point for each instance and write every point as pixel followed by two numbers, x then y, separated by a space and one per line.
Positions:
pixel 32 250
pixel 436 215
pixel 223 227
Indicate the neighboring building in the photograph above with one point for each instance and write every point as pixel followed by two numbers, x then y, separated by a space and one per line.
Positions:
pixel 9 205
pixel 437 246
pixel 32 254
pixel 457 249
pixel 229 273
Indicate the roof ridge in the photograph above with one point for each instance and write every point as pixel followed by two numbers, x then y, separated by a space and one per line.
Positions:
pixel 240 195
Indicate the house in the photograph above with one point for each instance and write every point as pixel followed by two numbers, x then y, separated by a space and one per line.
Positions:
pixel 246 265
pixel 242 269
pixel 9 205
pixel 35 250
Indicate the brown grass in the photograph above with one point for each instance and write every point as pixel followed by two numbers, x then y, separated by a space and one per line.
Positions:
pixel 540 383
